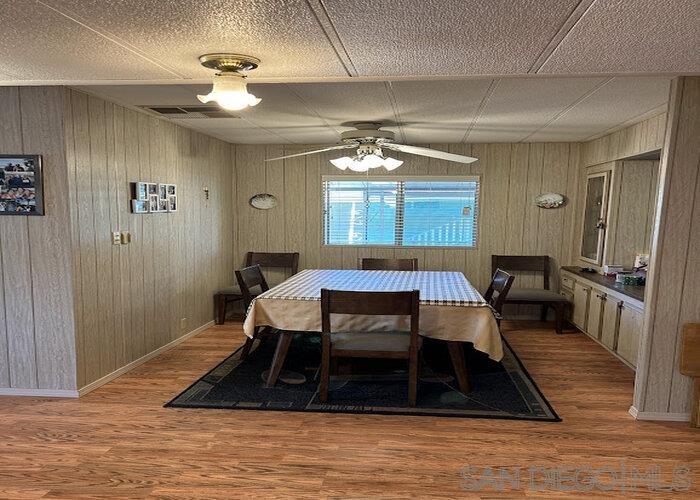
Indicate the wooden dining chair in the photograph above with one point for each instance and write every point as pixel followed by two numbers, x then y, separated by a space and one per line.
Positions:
pixel 248 279
pixel 543 297
pixel 392 345
pixel 368 264
pixel 497 293
pixel 232 294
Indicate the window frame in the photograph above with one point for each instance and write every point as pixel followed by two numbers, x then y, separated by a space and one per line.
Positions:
pixel 404 178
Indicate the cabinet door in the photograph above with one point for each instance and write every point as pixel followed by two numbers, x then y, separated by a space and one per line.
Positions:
pixel 595 313
pixel 581 296
pixel 630 330
pixel 611 318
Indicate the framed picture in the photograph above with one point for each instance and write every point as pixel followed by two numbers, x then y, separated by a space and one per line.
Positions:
pixel 163 191
pixel 139 206
pixel 172 190
pixel 152 189
pixel 163 205
pixel 172 203
pixel 21 185
pixel 141 191
pixel 153 202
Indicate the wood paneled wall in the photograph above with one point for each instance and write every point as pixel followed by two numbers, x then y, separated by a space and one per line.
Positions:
pixel 36 297
pixel 133 299
pixel 642 137
pixel 509 222
pixel 674 296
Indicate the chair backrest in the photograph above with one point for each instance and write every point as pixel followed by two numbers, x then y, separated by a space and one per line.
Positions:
pixel 498 289
pixel 370 304
pixel 388 264
pixel 248 278
pixel 536 263
pixel 272 259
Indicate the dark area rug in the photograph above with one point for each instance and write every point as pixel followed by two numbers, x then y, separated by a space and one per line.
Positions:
pixel 499 390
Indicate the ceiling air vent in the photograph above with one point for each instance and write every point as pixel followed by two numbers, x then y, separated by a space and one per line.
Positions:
pixel 191 112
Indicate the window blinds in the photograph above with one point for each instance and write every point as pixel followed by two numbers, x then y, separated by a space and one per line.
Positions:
pixel 410 211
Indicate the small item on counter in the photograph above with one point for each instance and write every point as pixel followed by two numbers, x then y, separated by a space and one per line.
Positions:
pixel 611 269
pixel 587 270
pixel 634 280
pixel 620 276
pixel 641 260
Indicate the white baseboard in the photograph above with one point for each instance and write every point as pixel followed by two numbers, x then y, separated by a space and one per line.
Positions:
pixel 47 393
pixel 121 371
pixel 659 416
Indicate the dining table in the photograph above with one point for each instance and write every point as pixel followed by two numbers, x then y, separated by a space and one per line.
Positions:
pixel 451 309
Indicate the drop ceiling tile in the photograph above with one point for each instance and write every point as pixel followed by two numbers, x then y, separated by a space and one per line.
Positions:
pixel 285 35
pixel 632 37
pixel 339 103
pixel 619 101
pixel 438 111
pixel 519 106
pixel 450 37
pixel 39 44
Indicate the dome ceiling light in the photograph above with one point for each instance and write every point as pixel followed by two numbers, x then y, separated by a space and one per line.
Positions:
pixel 230 90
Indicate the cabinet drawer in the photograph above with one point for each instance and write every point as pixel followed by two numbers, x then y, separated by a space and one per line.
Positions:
pixel 567 282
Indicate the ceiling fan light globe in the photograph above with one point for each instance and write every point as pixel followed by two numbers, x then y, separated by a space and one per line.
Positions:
pixel 372 161
pixel 358 166
pixel 343 163
pixel 392 164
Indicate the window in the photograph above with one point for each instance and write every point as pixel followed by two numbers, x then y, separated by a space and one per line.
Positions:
pixel 400 211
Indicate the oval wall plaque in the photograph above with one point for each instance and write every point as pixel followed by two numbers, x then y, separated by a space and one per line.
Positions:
pixel 550 200
pixel 263 201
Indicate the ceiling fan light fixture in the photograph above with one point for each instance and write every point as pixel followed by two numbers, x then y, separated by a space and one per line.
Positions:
pixel 392 163
pixel 343 163
pixel 230 90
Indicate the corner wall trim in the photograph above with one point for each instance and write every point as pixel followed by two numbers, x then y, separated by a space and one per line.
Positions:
pixel 46 393
pixel 121 371
pixel 659 416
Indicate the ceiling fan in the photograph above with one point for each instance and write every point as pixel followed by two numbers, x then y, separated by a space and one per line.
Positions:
pixel 370 141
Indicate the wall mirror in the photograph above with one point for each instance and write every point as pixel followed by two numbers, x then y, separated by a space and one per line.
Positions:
pixel 594 217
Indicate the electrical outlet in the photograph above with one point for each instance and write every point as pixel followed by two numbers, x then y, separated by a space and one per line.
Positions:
pixel 116 238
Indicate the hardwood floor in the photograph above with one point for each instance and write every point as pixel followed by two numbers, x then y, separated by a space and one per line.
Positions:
pixel 119 441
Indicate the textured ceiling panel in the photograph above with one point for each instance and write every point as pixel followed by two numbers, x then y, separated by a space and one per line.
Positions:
pixel 632 36
pixel 619 101
pixel 285 35
pixel 438 111
pixel 509 110
pixel 339 103
pixel 39 44
pixel 446 37
pixel 519 106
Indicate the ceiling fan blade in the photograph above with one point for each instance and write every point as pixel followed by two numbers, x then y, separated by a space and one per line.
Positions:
pixel 432 153
pixel 333 148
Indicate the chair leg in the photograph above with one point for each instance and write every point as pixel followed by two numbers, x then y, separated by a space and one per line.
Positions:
pixel 220 309
pixel 325 369
pixel 457 354
pixel 543 312
pixel 559 312
pixel 413 377
pixel 279 357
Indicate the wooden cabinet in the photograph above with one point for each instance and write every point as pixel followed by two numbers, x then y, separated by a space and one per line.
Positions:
pixel 629 333
pixel 610 318
pixel 609 323
pixel 595 313
pixel 581 296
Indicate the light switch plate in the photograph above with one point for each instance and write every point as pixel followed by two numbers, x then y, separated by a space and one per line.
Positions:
pixel 116 238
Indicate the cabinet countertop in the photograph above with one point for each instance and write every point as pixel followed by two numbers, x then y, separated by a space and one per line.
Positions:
pixel 636 292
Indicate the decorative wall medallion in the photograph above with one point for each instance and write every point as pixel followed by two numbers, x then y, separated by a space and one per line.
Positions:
pixel 550 200
pixel 263 201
